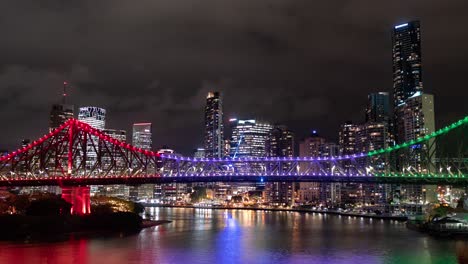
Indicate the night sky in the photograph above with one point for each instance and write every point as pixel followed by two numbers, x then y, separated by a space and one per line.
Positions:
pixel 307 64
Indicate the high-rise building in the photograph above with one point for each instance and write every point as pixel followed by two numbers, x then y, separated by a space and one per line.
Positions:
pixel 416 119
pixel 142 134
pixel 249 138
pixel 347 138
pixel 372 136
pixel 323 194
pixel 330 193
pixel 407 68
pixel 93 116
pixel 214 129
pixel 378 107
pixel 309 192
pixel 59 114
pixel 142 138
pixel 280 144
pixel 117 163
pixel 351 193
pixel 199 153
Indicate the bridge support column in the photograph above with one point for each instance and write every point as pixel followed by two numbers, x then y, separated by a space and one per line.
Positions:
pixel 79 198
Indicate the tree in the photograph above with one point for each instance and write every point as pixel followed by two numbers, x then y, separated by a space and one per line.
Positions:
pixel 198 194
pixel 51 206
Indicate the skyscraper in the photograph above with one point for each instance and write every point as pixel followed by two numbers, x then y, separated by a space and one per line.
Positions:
pixel 347 138
pixel 372 136
pixel 280 144
pixel 350 192
pixel 407 68
pixel 378 107
pixel 310 147
pixel 249 138
pixel 93 116
pixel 214 129
pixel 116 163
pixel 142 134
pixel 315 192
pixel 141 138
pixel 416 119
pixel 59 114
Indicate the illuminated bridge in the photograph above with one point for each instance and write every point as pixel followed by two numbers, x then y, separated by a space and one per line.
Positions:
pixel 76 154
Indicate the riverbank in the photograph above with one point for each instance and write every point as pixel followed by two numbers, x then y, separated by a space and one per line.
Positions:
pixel 384 217
pixel 24 227
pixel 150 223
pixel 437 230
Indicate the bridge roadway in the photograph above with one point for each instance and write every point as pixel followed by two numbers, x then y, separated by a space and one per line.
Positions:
pixel 157 179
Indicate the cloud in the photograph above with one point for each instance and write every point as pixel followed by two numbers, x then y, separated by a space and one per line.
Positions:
pixel 301 63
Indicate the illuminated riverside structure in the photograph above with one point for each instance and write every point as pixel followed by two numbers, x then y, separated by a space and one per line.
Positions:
pixel 144 166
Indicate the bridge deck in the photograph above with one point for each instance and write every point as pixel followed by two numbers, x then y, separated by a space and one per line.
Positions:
pixel 74 181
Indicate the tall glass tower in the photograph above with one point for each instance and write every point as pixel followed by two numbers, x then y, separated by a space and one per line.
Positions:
pixel 378 107
pixel 214 129
pixel 59 114
pixel 142 136
pixel 407 75
pixel 93 116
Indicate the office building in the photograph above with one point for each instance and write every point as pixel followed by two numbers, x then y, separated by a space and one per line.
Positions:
pixel 95 117
pixel 280 144
pixel 59 114
pixel 249 138
pixel 214 129
pixel 416 119
pixel 407 67
pixel 378 107
pixel 142 136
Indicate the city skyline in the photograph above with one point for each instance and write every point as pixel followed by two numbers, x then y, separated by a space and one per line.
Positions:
pixel 301 123
pixel 233 132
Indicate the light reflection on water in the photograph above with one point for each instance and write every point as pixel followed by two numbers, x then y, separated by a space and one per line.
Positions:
pixel 238 236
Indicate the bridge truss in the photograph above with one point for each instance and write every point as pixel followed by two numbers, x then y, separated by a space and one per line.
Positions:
pixel 78 154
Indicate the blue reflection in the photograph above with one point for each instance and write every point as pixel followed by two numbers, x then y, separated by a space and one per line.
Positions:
pixel 229 240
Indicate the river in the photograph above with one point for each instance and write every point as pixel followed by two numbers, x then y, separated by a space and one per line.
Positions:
pixel 242 236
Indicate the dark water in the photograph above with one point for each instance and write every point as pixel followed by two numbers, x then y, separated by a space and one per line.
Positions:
pixel 221 236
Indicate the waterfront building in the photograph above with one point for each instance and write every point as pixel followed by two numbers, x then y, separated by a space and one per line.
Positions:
pixel 351 193
pixel 330 192
pixel 249 138
pixel 142 138
pixel 280 144
pixel 313 192
pixel 372 136
pixel 121 191
pixel 214 129
pixel 415 120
